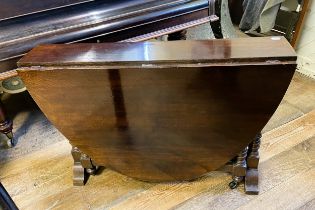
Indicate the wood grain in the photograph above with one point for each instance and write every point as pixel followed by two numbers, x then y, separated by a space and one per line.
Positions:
pixel 212 189
pixel 287 136
pixel 160 123
pixel 297 189
pixel 300 93
pixel 285 113
pixel 274 171
pixel 55 21
pixel 112 190
pixel 225 52
pixel 308 206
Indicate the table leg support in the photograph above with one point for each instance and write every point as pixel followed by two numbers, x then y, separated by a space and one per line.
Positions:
pixel 239 169
pixel 6 126
pixel 251 180
pixel 83 167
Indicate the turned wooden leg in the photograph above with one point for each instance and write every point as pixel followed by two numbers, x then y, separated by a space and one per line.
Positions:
pixel 239 169
pixel 88 164
pixel 251 180
pixel 6 126
pixel 83 167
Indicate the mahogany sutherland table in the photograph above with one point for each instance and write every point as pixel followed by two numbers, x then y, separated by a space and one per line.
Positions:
pixel 162 111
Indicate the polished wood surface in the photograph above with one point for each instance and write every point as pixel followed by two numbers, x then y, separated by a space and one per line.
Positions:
pixel 90 21
pixel 220 52
pixel 155 119
pixel 286 169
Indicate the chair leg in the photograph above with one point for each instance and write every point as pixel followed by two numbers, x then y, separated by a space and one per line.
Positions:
pixel 6 126
pixel 251 180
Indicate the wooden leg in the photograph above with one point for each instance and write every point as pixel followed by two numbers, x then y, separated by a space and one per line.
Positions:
pixel 83 167
pixel 6 126
pixel 251 182
pixel 88 164
pixel 239 169
pixel 78 170
pixel 251 179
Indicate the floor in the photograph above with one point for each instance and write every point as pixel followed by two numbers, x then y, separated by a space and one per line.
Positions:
pixel 38 171
pixel 41 176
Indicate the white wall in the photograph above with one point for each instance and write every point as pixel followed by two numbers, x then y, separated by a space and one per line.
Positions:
pixel 306 45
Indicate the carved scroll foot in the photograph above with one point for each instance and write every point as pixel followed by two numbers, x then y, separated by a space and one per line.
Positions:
pixel 6 126
pixel 251 180
pixel 79 177
pixel 239 169
pixel 78 170
pixel 83 167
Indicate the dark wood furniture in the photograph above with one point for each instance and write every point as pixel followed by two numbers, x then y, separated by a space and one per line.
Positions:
pixel 60 21
pixel 27 23
pixel 162 111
